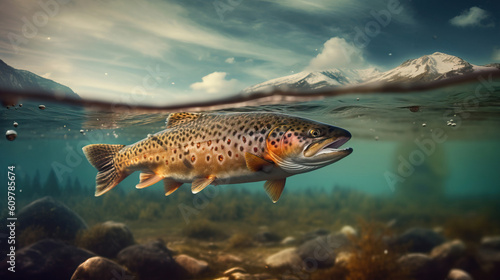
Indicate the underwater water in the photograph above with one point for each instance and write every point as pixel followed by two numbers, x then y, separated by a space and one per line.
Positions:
pixel 422 160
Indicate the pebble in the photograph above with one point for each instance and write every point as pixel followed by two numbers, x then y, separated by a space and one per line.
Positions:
pixel 457 274
pixel 233 270
pixel 285 258
pixel 491 242
pixel 191 266
pixel 289 240
pixel 348 230
pixel 99 268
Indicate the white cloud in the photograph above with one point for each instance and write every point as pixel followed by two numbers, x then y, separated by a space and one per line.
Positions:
pixel 230 60
pixel 496 54
pixel 473 17
pixel 337 53
pixel 216 83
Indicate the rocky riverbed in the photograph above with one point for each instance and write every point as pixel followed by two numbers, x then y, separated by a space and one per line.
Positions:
pixel 60 245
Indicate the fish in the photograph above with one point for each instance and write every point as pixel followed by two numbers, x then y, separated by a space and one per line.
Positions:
pixel 221 148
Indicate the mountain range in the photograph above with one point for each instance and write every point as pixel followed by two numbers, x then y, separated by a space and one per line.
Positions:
pixel 436 66
pixel 15 79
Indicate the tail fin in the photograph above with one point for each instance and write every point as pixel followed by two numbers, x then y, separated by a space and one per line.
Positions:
pixel 101 156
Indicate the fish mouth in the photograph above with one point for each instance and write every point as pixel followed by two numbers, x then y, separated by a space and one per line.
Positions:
pixel 329 147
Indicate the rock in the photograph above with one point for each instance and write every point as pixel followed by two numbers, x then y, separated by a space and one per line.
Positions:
pixel 419 267
pixel 418 240
pixel 491 242
pixel 45 259
pixel 457 274
pixel 322 249
pixel 289 240
pixel 315 233
pixel 228 258
pixel 241 276
pixel 48 218
pixel 348 230
pixel 447 254
pixel 106 239
pixel 233 270
pixel 267 237
pixel 191 266
pixel 99 268
pixel 284 259
pixel 149 261
pixel 490 261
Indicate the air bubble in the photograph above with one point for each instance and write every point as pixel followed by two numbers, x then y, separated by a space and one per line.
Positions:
pixel 41 107
pixel 82 131
pixel 424 125
pixel 11 135
pixel 15 124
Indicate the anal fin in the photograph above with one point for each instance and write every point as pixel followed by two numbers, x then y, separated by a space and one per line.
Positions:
pixel 170 186
pixel 274 188
pixel 147 179
pixel 256 163
pixel 199 184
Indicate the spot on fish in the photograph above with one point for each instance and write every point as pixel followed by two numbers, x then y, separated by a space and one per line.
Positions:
pixel 208 158
pixel 221 158
pixel 255 149
pixel 157 158
pixel 209 142
pixel 229 153
pixel 193 158
pixel 228 141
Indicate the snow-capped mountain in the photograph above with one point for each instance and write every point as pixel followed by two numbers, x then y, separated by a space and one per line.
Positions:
pixel 315 80
pixel 432 67
pixel 436 66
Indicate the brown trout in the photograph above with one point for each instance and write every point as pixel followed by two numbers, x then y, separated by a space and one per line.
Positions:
pixel 216 148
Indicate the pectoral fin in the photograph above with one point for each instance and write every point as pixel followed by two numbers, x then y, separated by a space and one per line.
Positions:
pixel 199 184
pixel 274 188
pixel 256 163
pixel 170 186
pixel 147 179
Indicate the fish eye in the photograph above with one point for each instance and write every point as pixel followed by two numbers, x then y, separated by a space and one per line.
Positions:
pixel 315 132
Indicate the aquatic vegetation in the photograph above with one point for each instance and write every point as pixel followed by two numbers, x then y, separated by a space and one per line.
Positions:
pixel 370 256
pixel 33 234
pixel 203 229
pixel 367 258
pixel 105 239
pixel 240 240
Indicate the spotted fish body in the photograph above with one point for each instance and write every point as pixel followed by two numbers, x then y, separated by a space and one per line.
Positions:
pixel 205 149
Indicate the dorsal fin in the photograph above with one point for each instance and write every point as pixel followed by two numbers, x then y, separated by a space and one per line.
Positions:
pixel 175 119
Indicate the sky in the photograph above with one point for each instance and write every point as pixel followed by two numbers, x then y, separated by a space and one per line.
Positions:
pixel 175 51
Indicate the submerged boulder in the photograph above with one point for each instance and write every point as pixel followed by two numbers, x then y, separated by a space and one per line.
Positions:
pixel 285 258
pixel 322 250
pixel 418 240
pixel 106 239
pixel 191 267
pixel 457 274
pixel 149 261
pixel 419 267
pixel 48 218
pixel 447 254
pixel 46 259
pixel 99 268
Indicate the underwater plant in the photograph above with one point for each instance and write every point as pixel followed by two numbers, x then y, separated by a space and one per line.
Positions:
pixel 367 258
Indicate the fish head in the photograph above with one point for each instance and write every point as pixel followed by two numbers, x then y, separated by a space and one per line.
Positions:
pixel 304 145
